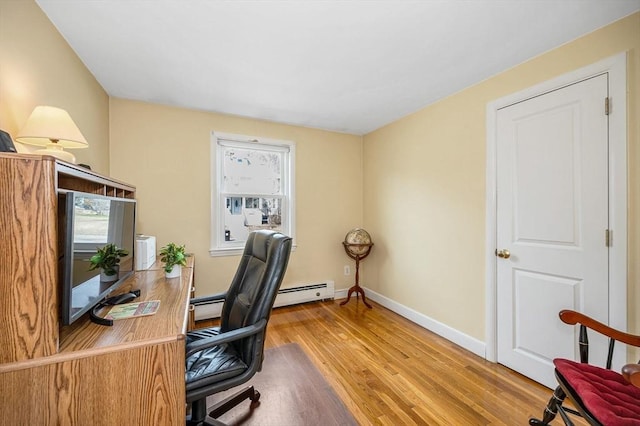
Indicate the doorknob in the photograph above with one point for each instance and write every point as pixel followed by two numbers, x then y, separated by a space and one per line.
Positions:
pixel 503 253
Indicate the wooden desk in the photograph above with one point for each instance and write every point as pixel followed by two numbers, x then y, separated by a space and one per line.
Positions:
pixel 159 266
pixel 131 373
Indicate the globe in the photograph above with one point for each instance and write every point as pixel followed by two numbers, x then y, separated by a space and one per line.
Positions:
pixel 358 242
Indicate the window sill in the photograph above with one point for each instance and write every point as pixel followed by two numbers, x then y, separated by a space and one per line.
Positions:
pixel 219 252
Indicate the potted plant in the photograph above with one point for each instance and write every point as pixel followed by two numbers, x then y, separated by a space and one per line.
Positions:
pixel 107 259
pixel 174 258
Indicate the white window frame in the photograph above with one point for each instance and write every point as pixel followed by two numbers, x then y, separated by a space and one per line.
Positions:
pixel 219 140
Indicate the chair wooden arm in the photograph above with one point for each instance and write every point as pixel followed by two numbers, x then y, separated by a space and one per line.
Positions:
pixel 573 318
pixel 631 373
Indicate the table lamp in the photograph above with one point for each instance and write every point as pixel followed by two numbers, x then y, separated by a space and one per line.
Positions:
pixel 53 128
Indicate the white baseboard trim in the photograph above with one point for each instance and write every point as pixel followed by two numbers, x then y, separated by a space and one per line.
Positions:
pixel 286 296
pixel 340 294
pixel 467 342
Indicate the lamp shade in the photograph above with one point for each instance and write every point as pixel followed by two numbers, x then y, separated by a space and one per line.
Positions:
pixel 48 125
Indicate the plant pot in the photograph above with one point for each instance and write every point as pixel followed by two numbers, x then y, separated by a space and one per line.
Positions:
pixel 176 271
pixel 106 278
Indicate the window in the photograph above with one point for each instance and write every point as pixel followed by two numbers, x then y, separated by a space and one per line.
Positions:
pixel 252 184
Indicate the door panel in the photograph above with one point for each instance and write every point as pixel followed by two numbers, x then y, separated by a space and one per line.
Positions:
pixel 530 290
pixel 544 176
pixel 552 213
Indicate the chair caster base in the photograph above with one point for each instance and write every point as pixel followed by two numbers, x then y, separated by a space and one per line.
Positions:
pixel 536 422
pixel 221 407
pixel 204 423
pixel 225 405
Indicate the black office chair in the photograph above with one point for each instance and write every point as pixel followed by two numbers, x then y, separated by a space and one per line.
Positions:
pixel 220 358
pixel 601 396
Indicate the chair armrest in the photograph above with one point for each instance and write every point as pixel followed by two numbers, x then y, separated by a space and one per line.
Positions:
pixel 203 300
pixel 573 318
pixel 631 373
pixel 221 338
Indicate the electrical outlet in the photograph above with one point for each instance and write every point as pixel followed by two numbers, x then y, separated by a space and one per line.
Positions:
pixel 347 270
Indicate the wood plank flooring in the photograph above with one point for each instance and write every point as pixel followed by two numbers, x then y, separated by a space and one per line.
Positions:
pixel 389 371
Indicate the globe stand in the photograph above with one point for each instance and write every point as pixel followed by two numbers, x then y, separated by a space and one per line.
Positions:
pixel 357 257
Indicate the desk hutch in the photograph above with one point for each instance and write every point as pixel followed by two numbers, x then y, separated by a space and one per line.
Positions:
pixel 131 373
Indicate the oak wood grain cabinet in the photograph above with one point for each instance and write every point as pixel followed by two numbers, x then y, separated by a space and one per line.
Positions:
pixel 30 186
pixel 131 373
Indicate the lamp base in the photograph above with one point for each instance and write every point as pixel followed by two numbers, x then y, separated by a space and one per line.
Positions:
pixel 55 150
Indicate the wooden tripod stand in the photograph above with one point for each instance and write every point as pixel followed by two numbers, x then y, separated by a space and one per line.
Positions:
pixel 357 257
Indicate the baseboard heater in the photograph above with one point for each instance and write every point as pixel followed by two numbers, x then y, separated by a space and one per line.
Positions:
pixel 285 297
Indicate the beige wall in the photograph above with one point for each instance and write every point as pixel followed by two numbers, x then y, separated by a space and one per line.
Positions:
pixel 165 152
pixel 37 67
pixel 424 187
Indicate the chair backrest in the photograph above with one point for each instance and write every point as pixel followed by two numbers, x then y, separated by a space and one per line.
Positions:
pixel 254 288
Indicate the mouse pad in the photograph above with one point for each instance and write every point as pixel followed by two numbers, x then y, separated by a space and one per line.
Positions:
pixel 135 309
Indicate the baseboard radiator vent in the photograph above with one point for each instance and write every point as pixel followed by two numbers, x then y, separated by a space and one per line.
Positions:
pixel 285 297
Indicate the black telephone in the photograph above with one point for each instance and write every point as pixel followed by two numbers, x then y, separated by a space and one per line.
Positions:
pixel 6 144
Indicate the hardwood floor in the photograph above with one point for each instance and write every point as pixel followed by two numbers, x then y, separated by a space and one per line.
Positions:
pixel 389 371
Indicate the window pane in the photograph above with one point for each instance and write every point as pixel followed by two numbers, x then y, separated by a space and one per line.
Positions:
pixel 262 213
pixel 252 171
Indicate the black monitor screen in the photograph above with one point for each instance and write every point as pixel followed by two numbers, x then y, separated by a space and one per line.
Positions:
pixel 92 221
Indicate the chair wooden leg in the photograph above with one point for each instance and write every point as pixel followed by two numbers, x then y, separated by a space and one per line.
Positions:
pixel 551 409
pixel 226 404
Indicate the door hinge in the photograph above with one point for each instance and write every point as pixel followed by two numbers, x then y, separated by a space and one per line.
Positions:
pixel 606 106
pixel 608 237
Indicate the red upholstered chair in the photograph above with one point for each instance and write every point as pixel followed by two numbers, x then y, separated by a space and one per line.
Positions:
pixel 601 396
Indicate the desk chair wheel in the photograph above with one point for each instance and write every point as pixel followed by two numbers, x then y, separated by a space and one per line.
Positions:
pixel 230 402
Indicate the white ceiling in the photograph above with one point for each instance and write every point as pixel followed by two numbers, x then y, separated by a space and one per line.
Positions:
pixel 348 66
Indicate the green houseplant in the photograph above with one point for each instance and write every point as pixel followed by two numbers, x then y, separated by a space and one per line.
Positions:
pixel 173 257
pixel 107 258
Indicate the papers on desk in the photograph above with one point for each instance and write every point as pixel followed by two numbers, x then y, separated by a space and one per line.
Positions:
pixel 135 309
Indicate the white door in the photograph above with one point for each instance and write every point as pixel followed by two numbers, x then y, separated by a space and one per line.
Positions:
pixel 552 215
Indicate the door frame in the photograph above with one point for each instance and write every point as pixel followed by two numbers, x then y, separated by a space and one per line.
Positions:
pixel 616 67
